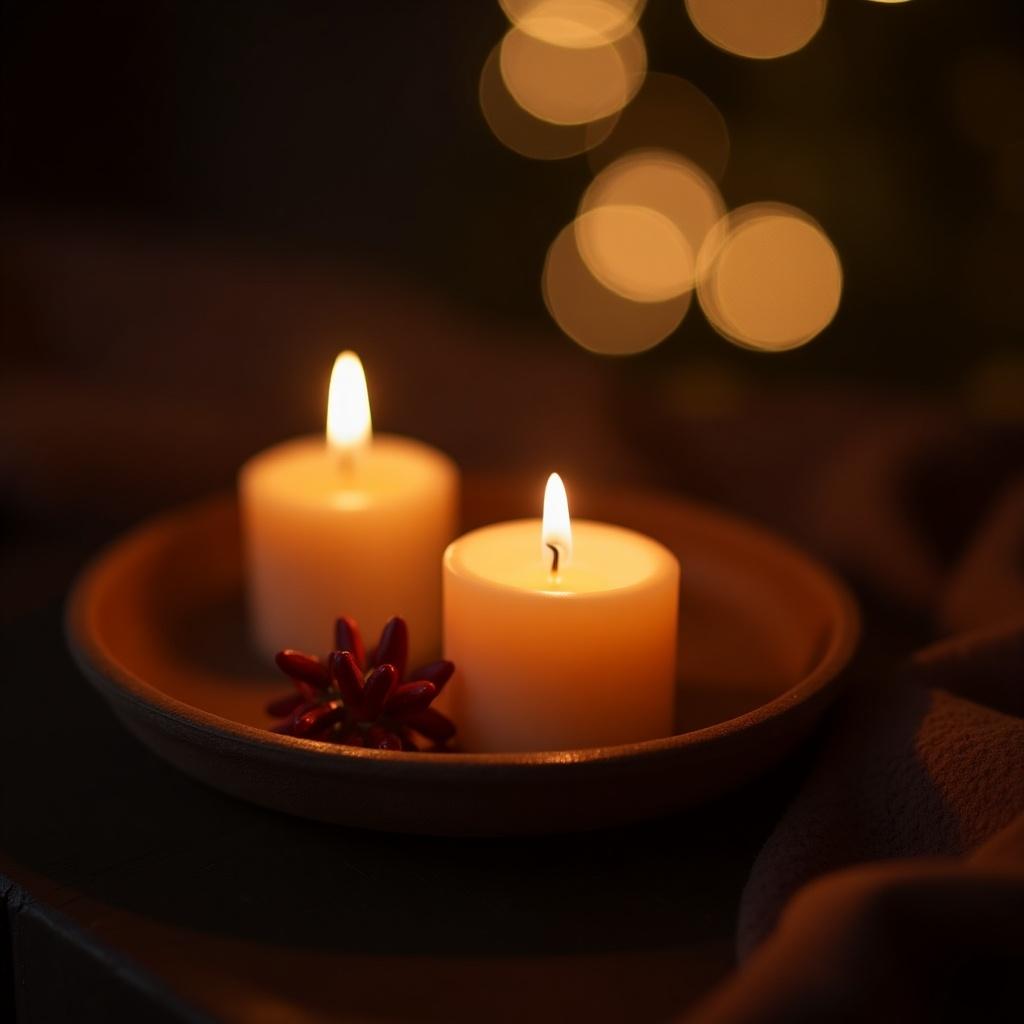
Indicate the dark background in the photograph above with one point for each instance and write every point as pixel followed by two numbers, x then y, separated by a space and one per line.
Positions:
pixel 352 129
pixel 203 202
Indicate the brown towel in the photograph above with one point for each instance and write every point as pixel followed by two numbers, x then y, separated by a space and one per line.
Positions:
pixel 893 887
pixel 936 939
pixel 910 772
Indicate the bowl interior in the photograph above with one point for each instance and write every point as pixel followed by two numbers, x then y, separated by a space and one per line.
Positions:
pixel 756 615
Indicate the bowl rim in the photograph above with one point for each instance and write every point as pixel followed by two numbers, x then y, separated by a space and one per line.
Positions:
pixel 119 684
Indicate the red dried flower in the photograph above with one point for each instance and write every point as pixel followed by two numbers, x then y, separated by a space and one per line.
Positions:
pixel 363 701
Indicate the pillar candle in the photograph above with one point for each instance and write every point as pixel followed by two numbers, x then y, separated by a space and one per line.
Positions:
pixel 351 524
pixel 563 635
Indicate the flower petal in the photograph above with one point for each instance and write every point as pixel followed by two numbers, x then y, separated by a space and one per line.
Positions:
pixel 438 672
pixel 379 684
pixel 281 707
pixel 347 677
pixel 432 724
pixel 410 698
pixel 287 727
pixel 348 638
pixel 305 667
pixel 393 648
pixel 320 718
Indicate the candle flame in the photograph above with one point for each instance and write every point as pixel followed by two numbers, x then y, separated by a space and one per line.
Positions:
pixel 556 533
pixel 348 406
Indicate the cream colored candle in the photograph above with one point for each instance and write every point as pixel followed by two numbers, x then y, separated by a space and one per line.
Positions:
pixel 562 636
pixel 348 525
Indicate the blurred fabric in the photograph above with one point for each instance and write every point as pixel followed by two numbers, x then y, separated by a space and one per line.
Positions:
pixel 893 887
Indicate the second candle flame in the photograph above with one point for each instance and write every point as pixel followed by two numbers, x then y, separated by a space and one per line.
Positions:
pixel 556 532
pixel 348 406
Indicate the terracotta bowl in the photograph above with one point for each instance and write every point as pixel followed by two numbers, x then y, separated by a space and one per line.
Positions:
pixel 157 625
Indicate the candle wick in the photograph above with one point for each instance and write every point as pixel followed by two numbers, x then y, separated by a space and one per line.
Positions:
pixel 554 558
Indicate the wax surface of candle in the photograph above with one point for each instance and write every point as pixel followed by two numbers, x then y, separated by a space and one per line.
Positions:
pixel 352 526
pixel 582 659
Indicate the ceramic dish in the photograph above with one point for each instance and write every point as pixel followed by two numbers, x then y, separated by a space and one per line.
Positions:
pixel 157 625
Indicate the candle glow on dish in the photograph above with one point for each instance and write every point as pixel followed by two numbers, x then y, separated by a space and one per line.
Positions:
pixel 346 523
pixel 560 653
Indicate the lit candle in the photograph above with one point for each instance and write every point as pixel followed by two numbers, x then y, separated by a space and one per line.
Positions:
pixel 563 636
pixel 351 525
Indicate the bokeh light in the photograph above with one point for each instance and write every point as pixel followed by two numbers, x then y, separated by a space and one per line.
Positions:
pixel 773 281
pixel 529 135
pixel 671 186
pixel 574 23
pixel 761 29
pixel 667 113
pixel 572 85
pixel 636 252
pixel 595 317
